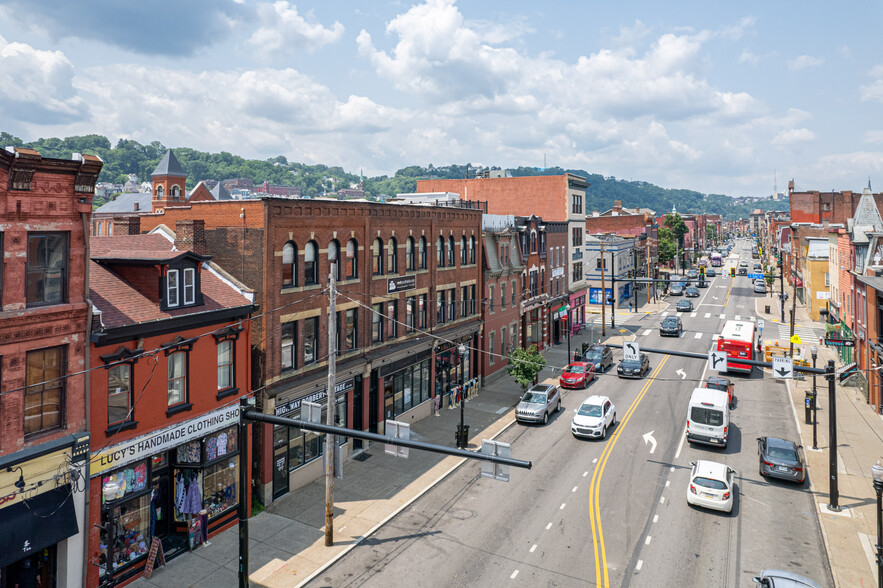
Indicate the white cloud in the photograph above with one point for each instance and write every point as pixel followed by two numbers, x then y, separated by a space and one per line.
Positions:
pixel 283 30
pixel 874 136
pixel 792 136
pixel 802 62
pixel 748 57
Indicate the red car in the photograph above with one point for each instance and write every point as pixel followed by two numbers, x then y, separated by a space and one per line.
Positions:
pixel 577 375
pixel 723 384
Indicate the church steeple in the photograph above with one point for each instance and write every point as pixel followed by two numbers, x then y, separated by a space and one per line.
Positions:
pixel 169 181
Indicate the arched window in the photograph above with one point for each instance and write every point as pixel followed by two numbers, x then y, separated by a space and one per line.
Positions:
pixel 410 255
pixel 533 241
pixel 334 257
pixel 452 254
pixel 289 264
pixel 392 255
pixel 377 256
pixel 109 229
pixel 311 263
pixel 159 192
pixel 440 253
pixel 472 250
pixel 543 279
pixel 464 251
pixel 352 259
pixel 422 251
pixel 98 227
pixel 176 191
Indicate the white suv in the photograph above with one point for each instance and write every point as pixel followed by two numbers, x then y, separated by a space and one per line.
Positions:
pixel 593 417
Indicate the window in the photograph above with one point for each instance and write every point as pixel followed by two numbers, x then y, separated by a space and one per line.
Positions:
pixel 464 251
pixel 159 192
pixel 176 191
pixel 377 323
pixel 410 255
pixel 503 347
pixel 543 279
pixel 172 288
pixel 47 268
pixel 177 378
pixel 393 256
pixel 577 271
pixel 98 227
pixel 350 330
pixel 491 349
pixel 472 250
pixel 411 314
pixel 439 307
pixel 577 204
pixel 827 280
pixel 311 264
pixel 577 236
pixel 472 299
pixel 352 259
pixel 464 301
pixel 514 289
pixel 119 393
pixel 826 207
pixel 189 285
pixel 422 310
pixel 377 257
pixel 44 394
pixel 440 253
pixel 392 319
pixel 311 340
pixel 490 298
pixel 452 259
pixel 422 252
pixel 334 257
pixel 534 289
pixel 542 243
pixel 289 336
pixel 504 255
pixel 452 304
pixel 289 264
pixel 225 365
pixel 533 241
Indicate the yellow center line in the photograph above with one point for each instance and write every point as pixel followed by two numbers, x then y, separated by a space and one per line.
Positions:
pixel 595 486
pixel 727 301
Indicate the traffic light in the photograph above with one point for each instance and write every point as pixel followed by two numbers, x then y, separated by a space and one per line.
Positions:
pixel 732 272
pixel 701 270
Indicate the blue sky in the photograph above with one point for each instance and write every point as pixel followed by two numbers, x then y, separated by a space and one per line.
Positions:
pixel 713 97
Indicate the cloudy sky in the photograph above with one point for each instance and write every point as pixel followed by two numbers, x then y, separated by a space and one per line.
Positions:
pixel 716 97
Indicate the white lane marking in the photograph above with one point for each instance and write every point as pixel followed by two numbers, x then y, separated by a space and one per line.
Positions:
pixel 585 474
pixel 639 565
pixel 574 489
pixel 515 573
pixel 502 410
pixel 661 499
pixel 647 332
pixel 647 540
pixel 681 443
pixel 664 312
pixel 534 548
pixel 738 317
pixel 593 461
pixel 655 518
pixel 752 318
pixel 697 336
pixel 563 504
pixel 723 316
pixel 692 315
pixel 707 315
pixel 549 526
pixel 667 483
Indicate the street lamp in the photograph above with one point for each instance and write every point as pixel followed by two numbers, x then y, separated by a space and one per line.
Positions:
pixel 877 473
pixel 814 351
pixel 461 429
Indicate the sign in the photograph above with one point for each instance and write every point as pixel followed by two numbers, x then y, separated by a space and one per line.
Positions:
pixel 756 276
pixel 595 295
pixel 558 271
pixel 759 324
pixel 155 549
pixel 396 430
pixel 846 371
pixel 830 342
pixel 491 469
pixel 823 295
pixel 401 283
pixel 631 351
pixel 156 441
pixel 717 360
pixel 795 339
pixel 293 405
pixel 783 368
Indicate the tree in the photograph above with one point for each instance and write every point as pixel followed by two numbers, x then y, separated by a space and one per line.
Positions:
pixel 677 226
pixel 665 246
pixel 525 365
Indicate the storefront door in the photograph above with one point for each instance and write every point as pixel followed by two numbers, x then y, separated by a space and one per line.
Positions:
pixel 280 462
pixel 357 412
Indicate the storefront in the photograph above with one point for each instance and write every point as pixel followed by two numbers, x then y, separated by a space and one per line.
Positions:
pixel 179 484
pixel 558 321
pixel 578 307
pixel 452 369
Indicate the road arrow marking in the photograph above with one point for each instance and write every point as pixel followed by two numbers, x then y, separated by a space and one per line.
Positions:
pixel 682 375
pixel 648 438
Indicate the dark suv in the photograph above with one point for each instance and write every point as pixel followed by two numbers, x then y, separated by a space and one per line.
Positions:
pixel 600 356
pixel 672 326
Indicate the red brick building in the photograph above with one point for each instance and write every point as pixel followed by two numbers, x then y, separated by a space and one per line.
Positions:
pixel 408 278
pixel 44 438
pixel 171 346
pixel 819 207
pixel 502 294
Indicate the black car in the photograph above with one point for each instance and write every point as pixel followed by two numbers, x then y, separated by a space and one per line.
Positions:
pixel 757 267
pixel 743 271
pixel 676 290
pixel 710 273
pixel 633 368
pixel 684 306
pixel 600 356
pixel 671 326
pixel 692 292
pixel 780 458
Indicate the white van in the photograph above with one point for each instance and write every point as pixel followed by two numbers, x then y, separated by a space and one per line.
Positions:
pixel 708 417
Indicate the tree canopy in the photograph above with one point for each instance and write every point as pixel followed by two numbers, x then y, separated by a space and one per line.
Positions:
pixel 525 365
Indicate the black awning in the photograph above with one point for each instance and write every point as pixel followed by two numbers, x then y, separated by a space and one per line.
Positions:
pixel 36 523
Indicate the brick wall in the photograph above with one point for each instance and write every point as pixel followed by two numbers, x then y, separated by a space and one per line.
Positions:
pixel 543 196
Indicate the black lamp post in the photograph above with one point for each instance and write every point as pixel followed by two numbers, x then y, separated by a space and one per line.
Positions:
pixel 814 351
pixel 877 473
pixel 461 429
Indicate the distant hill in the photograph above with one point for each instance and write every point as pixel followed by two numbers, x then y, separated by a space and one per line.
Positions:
pixel 131 157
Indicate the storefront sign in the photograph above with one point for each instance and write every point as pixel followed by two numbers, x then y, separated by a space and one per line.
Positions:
pixel 823 295
pixel 595 295
pixel 832 342
pixel 558 271
pixel 294 405
pixel 846 371
pixel 157 441
pixel 400 284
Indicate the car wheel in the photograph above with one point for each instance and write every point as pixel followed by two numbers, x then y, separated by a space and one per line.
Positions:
pixel 604 433
pixel 545 418
pixel 559 405
pixel 613 422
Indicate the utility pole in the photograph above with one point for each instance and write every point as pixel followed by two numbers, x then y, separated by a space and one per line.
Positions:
pixel 648 273
pixel 612 291
pixel 782 286
pixel 635 276
pixel 330 439
pixel 603 294
pixel 833 491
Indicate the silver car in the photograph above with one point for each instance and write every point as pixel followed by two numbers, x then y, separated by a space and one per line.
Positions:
pixel 780 458
pixel 537 403
pixel 783 579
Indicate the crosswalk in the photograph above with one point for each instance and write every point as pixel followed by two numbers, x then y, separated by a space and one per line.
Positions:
pixel 806 334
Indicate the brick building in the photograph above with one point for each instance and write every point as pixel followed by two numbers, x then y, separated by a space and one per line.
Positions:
pixel 43 345
pixel 501 291
pixel 171 345
pixel 408 277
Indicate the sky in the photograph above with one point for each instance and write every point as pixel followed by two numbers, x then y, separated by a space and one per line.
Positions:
pixel 727 98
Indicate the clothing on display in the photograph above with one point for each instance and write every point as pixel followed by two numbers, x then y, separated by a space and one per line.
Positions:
pixel 188 496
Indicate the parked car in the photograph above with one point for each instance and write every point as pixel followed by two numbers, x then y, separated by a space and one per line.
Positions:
pixel 711 485
pixel 671 326
pixel 684 305
pixel 783 579
pixel 780 458
pixel 724 384
pixel 692 292
pixel 676 290
pixel 600 356
pixel 593 417
pixel 537 403
pixel 710 272
pixel 633 368
pixel 759 288
pixel 577 375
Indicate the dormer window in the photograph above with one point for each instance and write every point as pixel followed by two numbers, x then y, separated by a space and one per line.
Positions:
pixel 182 286
pixel 189 285
pixel 172 288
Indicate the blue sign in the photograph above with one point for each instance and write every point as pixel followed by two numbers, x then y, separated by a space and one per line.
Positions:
pixel 755 276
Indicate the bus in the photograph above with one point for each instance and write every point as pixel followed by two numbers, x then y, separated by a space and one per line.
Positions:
pixel 737 341
pixel 716 259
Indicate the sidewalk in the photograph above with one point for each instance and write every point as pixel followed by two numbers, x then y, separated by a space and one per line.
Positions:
pixel 286 543
pixel 850 535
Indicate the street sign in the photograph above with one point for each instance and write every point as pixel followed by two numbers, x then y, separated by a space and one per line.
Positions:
pixel 631 351
pixel 396 430
pixel 495 470
pixel 830 342
pixel 795 339
pixel 783 368
pixel 759 324
pixel 755 276
pixel 717 360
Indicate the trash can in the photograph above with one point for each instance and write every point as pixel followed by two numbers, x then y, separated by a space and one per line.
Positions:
pixel 766 308
pixel 462 436
pixel 807 406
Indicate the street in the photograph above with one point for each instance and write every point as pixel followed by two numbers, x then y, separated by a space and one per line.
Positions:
pixel 614 512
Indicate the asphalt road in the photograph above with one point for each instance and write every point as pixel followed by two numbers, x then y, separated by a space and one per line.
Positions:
pixel 612 512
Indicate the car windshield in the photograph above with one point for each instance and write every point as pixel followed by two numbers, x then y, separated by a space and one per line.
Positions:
pixel 576 369
pixel 782 453
pixel 630 363
pixel 706 416
pixel 534 398
pixel 670 322
pixel 593 355
pixel 710 483
pixel 591 410
pixel 717 386
pixel 684 303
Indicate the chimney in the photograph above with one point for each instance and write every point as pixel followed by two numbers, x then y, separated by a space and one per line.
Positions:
pixel 617 205
pixel 127 225
pixel 190 236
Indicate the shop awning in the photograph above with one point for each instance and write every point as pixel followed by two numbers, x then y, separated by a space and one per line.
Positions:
pixel 37 523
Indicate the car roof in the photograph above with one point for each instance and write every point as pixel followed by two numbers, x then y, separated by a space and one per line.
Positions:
pixel 718 380
pixel 596 399
pixel 711 469
pixel 671 319
pixel 793 579
pixel 599 347
pixel 581 363
pixel 783 443
pixel 541 388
